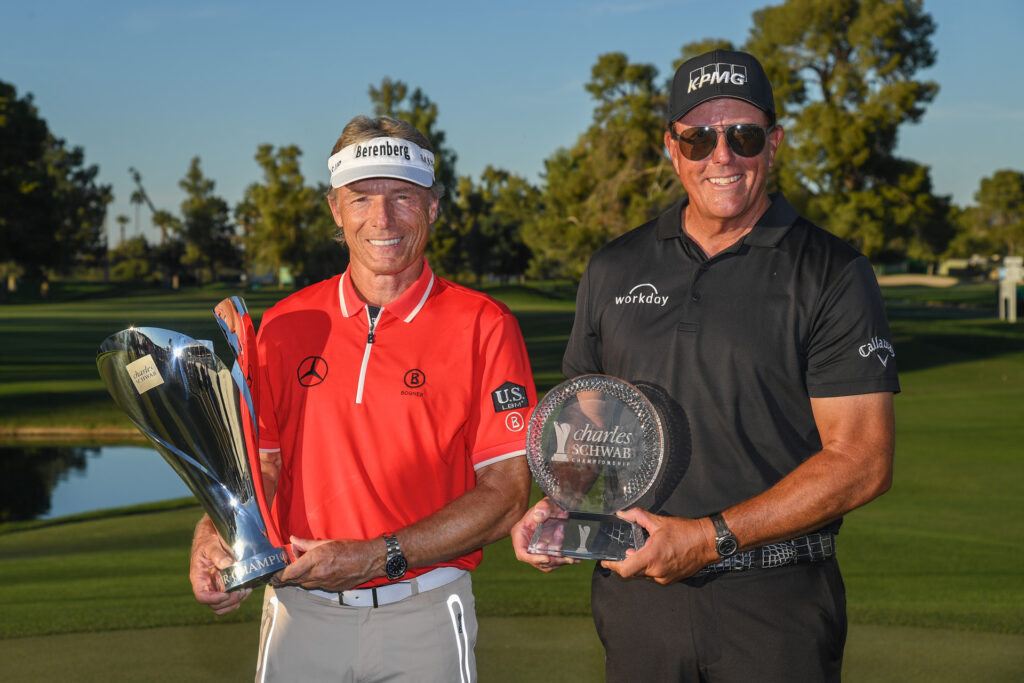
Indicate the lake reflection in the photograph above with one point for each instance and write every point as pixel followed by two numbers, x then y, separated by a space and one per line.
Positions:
pixel 43 482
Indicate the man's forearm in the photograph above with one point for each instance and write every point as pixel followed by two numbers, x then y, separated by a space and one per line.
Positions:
pixel 480 516
pixel 270 469
pixel 820 491
pixel 853 468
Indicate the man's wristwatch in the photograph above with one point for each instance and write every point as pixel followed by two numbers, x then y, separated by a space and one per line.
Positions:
pixel 725 543
pixel 395 565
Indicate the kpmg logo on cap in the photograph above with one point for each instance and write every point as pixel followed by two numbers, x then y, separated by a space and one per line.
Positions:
pixel 734 74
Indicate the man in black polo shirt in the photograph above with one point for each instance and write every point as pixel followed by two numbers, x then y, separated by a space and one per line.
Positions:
pixel 771 334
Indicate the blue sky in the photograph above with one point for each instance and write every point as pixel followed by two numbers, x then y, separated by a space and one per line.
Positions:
pixel 152 85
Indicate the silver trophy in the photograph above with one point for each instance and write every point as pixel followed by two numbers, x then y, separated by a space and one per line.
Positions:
pixel 200 417
pixel 595 445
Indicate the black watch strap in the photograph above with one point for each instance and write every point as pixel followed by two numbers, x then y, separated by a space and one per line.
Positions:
pixel 725 543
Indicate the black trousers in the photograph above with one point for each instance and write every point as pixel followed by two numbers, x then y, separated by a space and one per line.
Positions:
pixel 783 624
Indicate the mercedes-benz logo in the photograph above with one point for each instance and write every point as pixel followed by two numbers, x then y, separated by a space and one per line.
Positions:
pixel 312 371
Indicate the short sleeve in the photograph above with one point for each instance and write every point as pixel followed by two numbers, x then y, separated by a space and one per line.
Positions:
pixel 505 394
pixel 850 348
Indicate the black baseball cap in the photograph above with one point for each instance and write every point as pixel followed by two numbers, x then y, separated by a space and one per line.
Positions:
pixel 719 73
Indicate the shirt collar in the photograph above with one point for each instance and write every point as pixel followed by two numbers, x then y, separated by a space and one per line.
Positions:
pixel 405 307
pixel 771 227
pixel 670 223
pixel 774 224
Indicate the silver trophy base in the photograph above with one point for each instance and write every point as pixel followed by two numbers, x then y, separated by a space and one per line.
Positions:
pixel 254 570
pixel 587 536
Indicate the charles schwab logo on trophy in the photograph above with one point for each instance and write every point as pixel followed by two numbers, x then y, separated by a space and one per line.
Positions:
pixel 596 445
pixel 201 418
pixel 592 445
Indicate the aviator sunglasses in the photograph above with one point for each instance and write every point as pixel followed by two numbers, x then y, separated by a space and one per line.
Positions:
pixel 745 139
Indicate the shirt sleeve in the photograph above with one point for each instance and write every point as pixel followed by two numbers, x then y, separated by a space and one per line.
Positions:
pixel 850 348
pixel 583 352
pixel 505 395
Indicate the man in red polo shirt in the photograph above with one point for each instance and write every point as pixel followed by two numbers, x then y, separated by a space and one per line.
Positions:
pixel 392 413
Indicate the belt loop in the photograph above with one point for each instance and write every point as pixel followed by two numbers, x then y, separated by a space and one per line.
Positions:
pixel 415 585
pixel 374 596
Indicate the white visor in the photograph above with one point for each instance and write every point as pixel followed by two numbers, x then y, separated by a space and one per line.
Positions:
pixel 382 158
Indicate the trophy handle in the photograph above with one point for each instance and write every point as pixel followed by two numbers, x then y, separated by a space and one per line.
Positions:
pixel 233 317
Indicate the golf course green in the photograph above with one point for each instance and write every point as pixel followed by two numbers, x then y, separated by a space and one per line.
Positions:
pixel 934 569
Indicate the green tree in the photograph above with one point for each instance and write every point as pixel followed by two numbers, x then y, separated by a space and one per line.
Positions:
pixel 697 48
pixel 137 199
pixel 492 215
pixel 844 76
pixel 286 223
pixel 206 227
pixel 122 224
pixel 516 202
pixel 995 225
pixel 132 260
pixel 1001 207
pixel 167 224
pixel 29 475
pixel 51 208
pixel 394 99
pixel 445 250
pixel 615 177
pixel 166 258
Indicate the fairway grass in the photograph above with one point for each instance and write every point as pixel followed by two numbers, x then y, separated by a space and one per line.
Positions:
pixel 510 650
pixel 948 539
pixel 933 569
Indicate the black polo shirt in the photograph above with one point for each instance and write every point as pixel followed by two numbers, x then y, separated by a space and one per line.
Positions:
pixel 742 341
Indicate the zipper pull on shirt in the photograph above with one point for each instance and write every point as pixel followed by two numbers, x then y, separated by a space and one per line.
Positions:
pixel 372 314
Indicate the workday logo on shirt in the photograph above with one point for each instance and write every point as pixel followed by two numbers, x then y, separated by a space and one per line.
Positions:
pixel 642 294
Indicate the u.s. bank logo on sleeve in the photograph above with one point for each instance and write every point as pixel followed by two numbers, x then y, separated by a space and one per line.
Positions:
pixel 509 396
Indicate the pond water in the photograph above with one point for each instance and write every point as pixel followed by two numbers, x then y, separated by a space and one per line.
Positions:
pixel 44 482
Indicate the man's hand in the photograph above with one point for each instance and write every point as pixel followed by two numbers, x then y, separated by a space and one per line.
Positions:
pixel 209 555
pixel 677 548
pixel 333 565
pixel 522 533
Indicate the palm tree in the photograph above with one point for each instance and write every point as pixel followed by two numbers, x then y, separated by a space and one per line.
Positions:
pixel 165 221
pixel 137 199
pixel 122 220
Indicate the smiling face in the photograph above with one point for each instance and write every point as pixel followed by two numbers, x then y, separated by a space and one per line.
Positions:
pixel 386 224
pixel 726 190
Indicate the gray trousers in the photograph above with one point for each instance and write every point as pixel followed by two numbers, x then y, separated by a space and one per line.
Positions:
pixel 426 637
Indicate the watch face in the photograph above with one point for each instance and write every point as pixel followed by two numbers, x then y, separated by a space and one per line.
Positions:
pixel 727 546
pixel 395 567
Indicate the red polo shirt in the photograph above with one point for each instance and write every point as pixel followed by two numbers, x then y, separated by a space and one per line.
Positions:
pixel 379 431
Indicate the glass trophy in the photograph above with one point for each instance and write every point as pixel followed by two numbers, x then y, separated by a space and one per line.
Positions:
pixel 595 445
